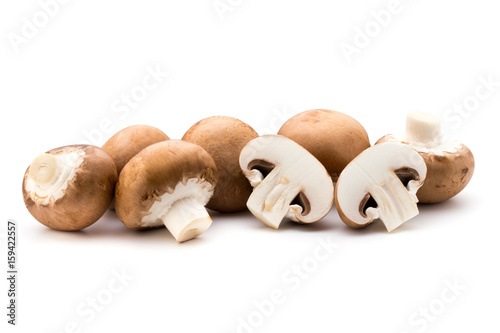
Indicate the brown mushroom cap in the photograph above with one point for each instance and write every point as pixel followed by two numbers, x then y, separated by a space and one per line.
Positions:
pixel 87 196
pixel 155 170
pixel 448 173
pixel 127 142
pixel 224 138
pixel 334 138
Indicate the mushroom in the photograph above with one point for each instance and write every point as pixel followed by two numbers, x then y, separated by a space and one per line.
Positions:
pixel 288 181
pixel 380 183
pixel 127 142
pixel 167 183
pixel 334 138
pixel 223 138
pixel 450 164
pixel 71 187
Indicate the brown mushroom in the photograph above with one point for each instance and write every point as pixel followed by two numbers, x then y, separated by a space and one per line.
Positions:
pixel 71 187
pixel 334 138
pixel 127 142
pixel 224 138
pixel 450 164
pixel 167 183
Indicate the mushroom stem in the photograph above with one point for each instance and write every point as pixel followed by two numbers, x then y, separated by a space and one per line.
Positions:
pixel 43 168
pixel 423 128
pixel 187 218
pixel 270 200
pixel 395 204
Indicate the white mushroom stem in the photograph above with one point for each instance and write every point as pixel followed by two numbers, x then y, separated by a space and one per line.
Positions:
pixel 43 169
pixel 270 200
pixel 50 174
pixel 182 210
pixel 187 218
pixel 423 128
pixel 396 204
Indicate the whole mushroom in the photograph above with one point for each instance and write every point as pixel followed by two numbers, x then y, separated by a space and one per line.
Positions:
pixel 167 183
pixel 381 183
pixel 223 138
pixel 450 164
pixel 334 138
pixel 126 143
pixel 71 187
pixel 288 181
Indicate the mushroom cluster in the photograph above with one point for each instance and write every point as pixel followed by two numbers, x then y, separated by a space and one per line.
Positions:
pixel 317 159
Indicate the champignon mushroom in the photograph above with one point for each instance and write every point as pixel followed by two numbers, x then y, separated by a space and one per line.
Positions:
pixel 380 183
pixel 223 138
pixel 127 142
pixel 450 164
pixel 69 188
pixel 334 138
pixel 288 181
pixel 167 183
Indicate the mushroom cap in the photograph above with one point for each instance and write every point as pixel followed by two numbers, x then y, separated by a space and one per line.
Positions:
pixel 224 138
pixel 298 166
pixel 334 138
pixel 156 170
pixel 87 196
pixel 448 171
pixel 127 142
pixel 371 167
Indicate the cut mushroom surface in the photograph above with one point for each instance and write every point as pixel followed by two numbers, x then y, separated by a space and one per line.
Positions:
pixel 288 181
pixel 450 164
pixel 69 188
pixel 167 183
pixel 381 183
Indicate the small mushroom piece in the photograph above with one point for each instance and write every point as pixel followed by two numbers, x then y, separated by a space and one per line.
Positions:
pixel 223 138
pixel 288 181
pixel 450 164
pixel 167 183
pixel 127 142
pixel 381 183
pixel 334 138
pixel 69 188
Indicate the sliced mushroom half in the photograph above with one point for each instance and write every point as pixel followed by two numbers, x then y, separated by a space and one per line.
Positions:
pixel 288 181
pixel 381 183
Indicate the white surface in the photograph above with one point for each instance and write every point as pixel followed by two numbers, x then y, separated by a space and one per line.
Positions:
pixel 263 63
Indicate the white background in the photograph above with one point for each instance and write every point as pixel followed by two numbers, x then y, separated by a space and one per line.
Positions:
pixel 262 60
